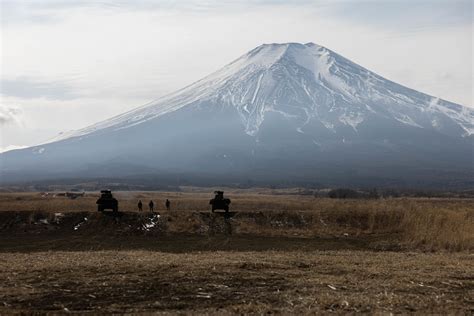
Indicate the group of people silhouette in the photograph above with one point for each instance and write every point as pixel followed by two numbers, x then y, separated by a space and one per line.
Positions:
pixel 151 205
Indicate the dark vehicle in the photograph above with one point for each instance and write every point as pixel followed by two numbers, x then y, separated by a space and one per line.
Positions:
pixel 219 202
pixel 107 202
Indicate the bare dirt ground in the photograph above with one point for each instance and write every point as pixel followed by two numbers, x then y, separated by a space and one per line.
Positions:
pixel 237 282
pixel 285 255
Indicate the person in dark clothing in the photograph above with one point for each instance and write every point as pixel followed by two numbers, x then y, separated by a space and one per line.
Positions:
pixel 140 205
pixel 168 204
pixel 150 205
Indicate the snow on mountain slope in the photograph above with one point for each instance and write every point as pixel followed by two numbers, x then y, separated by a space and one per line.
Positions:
pixel 305 83
pixel 282 113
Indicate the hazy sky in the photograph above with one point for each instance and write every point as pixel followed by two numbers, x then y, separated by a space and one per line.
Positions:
pixel 68 64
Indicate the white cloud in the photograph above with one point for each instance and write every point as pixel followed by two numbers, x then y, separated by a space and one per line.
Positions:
pixel 10 115
pixel 30 88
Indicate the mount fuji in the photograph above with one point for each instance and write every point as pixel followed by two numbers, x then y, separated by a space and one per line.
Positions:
pixel 281 113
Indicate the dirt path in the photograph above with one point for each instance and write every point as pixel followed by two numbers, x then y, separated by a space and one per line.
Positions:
pixel 177 233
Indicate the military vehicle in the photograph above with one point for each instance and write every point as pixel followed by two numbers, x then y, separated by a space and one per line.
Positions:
pixel 219 202
pixel 107 201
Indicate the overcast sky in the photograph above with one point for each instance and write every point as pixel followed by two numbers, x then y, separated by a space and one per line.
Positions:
pixel 68 64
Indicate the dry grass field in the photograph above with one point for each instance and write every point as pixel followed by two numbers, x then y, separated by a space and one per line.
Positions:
pixel 237 282
pixel 280 253
pixel 423 224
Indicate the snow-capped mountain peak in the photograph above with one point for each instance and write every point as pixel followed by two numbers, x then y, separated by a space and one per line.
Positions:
pixel 303 82
pixel 281 112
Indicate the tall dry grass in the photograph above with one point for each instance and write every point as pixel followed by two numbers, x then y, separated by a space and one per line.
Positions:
pixel 427 224
pixel 438 228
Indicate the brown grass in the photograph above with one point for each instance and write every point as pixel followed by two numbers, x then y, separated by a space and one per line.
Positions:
pixel 218 283
pixel 426 224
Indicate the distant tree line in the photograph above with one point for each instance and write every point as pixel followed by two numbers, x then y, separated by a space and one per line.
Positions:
pixel 343 193
pixel 347 193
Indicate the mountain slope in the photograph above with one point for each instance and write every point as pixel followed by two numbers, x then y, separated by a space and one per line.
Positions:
pixel 282 111
pixel 305 81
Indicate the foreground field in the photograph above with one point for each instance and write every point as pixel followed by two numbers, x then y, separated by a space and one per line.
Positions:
pixel 282 253
pixel 237 282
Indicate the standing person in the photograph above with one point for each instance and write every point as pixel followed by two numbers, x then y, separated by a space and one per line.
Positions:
pixel 140 205
pixel 150 205
pixel 168 204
